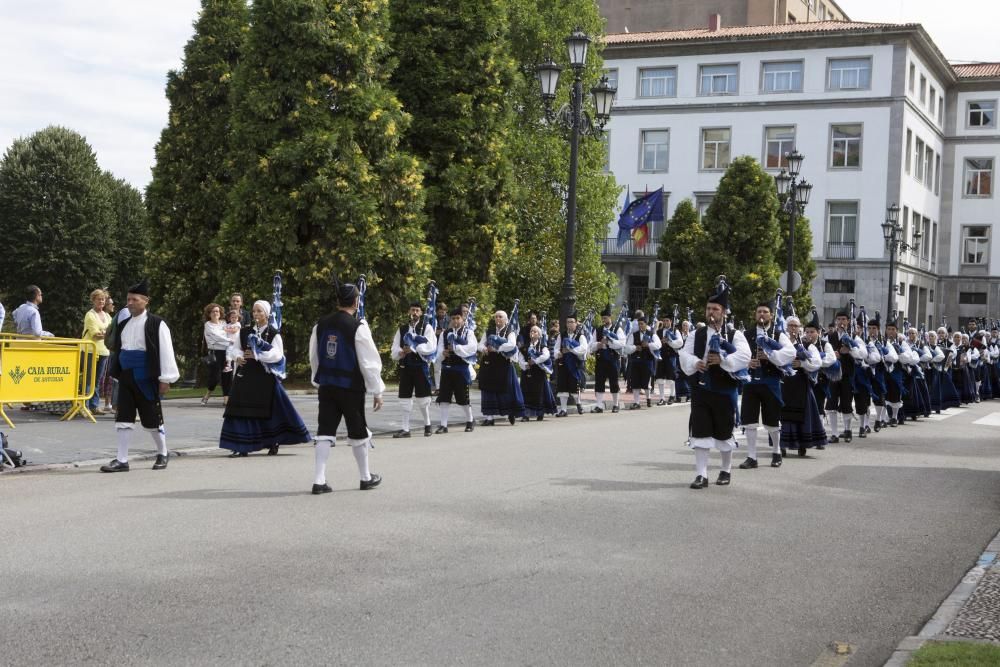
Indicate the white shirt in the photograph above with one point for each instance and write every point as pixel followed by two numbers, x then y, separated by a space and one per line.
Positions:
pixel 215 335
pixel 580 351
pixel 783 356
pixel 654 342
pixel 424 349
pixel 369 361
pixel 133 337
pixel 731 363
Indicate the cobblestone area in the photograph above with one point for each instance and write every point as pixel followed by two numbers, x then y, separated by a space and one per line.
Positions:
pixel 980 616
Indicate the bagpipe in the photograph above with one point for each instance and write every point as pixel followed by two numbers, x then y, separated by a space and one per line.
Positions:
pixel 847 338
pixel 259 345
pixel 651 330
pixel 462 336
pixel 362 289
pixel 535 351
pixel 719 345
pixel 588 324
pixel 412 338
pixel 499 338
pixel 772 343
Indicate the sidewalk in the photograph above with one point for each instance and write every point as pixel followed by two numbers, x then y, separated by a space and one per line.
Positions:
pixel 970 613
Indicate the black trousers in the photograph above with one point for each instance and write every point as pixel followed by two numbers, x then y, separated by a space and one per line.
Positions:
pixel 413 380
pixel 712 415
pixel 216 374
pixel 605 373
pixel 453 387
pixel 336 405
pixel 131 401
pixel 759 401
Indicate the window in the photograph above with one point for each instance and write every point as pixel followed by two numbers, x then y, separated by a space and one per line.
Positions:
pixel 783 77
pixel 972 298
pixel 909 230
pixel 937 175
pixel 840 287
pixel 941 109
pixel 715 148
pixel 928 167
pixel 822 12
pixel 905 219
pixel 704 201
pixel 932 100
pixel 923 89
pixel 655 150
pixel 660 82
pixel 979 177
pixel 925 242
pixel 909 147
pixel 933 242
pixel 918 159
pixel 845 146
pixel 930 298
pixel 612 75
pixel 975 245
pixel 983 114
pixel 850 74
pixel 913 77
pixel 843 230
pixel 902 289
pixel 778 142
pixel 719 80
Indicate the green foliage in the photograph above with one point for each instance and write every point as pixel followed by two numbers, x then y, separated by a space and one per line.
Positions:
pixel 741 223
pixel 802 257
pixel 57 225
pixel 324 189
pixel 955 654
pixel 683 244
pixel 130 232
pixel 192 175
pixel 533 270
pixel 455 70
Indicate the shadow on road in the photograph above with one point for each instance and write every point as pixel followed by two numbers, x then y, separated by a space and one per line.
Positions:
pixel 220 494
pixel 619 485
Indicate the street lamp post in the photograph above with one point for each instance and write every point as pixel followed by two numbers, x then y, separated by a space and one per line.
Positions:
pixel 892 231
pixel 573 119
pixel 795 192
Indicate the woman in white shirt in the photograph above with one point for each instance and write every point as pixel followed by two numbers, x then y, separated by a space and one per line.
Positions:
pixel 217 343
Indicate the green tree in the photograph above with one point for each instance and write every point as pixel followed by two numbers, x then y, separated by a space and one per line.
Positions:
pixel 683 244
pixel 454 75
pixel 802 256
pixel 130 229
pixel 533 269
pixel 742 227
pixel 324 189
pixel 55 218
pixel 192 176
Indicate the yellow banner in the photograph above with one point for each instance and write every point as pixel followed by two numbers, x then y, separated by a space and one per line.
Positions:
pixel 46 370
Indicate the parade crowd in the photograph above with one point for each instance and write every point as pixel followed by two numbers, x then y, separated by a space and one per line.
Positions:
pixel 807 385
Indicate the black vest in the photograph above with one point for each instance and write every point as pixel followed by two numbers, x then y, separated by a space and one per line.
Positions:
pixel 338 361
pixel 766 367
pixel 413 359
pixel 641 353
pixel 152 335
pixel 719 378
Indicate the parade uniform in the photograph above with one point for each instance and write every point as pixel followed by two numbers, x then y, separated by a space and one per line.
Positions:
pixel 457 351
pixel 571 353
pixel 639 347
pixel 801 422
pixel 762 396
pixel 501 391
pixel 414 372
pixel 606 349
pixel 668 366
pixel 536 366
pixel 345 367
pixel 142 357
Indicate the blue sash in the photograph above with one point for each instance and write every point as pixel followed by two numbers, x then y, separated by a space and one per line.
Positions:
pixel 135 360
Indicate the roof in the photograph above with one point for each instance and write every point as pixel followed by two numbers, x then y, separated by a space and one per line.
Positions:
pixel 751 31
pixel 977 70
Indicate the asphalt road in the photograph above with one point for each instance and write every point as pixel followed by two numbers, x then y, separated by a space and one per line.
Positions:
pixel 570 542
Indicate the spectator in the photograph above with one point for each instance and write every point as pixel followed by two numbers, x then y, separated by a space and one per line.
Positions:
pixel 109 385
pixel 3 315
pixel 27 318
pixel 236 303
pixel 95 327
pixel 233 327
pixel 217 343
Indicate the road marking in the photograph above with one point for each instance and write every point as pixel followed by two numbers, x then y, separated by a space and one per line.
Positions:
pixel 939 417
pixel 836 654
pixel 989 420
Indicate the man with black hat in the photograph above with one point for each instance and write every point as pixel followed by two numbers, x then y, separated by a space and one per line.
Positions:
pixel 769 351
pixel 606 348
pixel 571 353
pixel 345 366
pixel 457 347
pixel 639 347
pixel 666 367
pixel 411 348
pixel 894 372
pixel 142 360
pixel 718 360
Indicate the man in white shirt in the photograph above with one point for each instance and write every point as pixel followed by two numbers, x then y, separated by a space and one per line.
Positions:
pixel 27 319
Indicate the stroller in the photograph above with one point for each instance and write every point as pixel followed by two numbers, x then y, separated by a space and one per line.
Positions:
pixel 9 458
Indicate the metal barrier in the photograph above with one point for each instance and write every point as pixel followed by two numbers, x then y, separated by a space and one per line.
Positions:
pixel 38 370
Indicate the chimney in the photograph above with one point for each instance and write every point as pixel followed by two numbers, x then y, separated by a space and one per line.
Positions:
pixel 714 22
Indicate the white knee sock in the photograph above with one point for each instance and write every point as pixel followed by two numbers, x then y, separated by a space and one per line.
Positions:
pixel 701 461
pixel 775 433
pixel 847 421
pixel 360 449
pixel 444 413
pixel 425 409
pixel 727 461
pixel 832 416
pixel 864 420
pixel 599 397
pixel 671 389
pixel 661 385
pixel 562 401
pixel 407 404
pixel 614 400
pixel 322 454
pixel 124 436
pixel 468 413
pixel 896 407
pixel 751 433
pixel 159 439
pixel 636 395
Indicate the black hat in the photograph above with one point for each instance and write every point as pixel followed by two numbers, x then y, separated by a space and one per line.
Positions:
pixel 892 322
pixel 142 287
pixel 860 319
pixel 667 316
pixel 347 293
pixel 842 312
pixel 876 321
pixel 416 304
pixel 607 311
pixel 720 295
pixel 813 323
pixel 573 315
pixel 456 311
pixel 641 318
pixel 766 304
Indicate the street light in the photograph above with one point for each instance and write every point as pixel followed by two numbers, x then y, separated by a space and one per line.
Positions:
pixel 795 196
pixel 572 118
pixel 892 231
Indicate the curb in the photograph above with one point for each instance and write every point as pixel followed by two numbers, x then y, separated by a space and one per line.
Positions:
pixel 949 609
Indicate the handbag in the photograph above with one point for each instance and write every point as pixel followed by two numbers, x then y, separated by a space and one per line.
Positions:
pixel 208 357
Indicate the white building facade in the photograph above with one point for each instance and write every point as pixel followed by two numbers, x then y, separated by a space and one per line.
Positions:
pixel 880 117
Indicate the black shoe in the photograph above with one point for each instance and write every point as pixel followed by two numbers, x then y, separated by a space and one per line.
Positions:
pixel 561 413
pixel 861 433
pixel 687 399
pixel 596 410
pixel 723 479
pixel 649 402
pixel 579 409
pixel 427 431
pixel 802 451
pixel 614 409
pixel 487 422
pixel 272 450
pixel 868 429
pixel 441 429
pixel 833 439
pixel 243 455
pixel 635 406
pixel 900 421
pixel 663 402
pixel 372 483
pixel 512 419
pixel 115 466
pixel 775 460
pixel 878 426
pixel 540 418
pixel 749 464
pixel 699 482
pixel 671 400
pixel 525 419
pixel 784 452
pixel 846 435
pixel 321 488
pixel 937 412
pixel 161 461
pixel 820 446
pixel 233 455
pixel 401 434
pixel 470 426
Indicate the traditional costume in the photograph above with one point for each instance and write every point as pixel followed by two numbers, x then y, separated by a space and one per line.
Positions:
pixel 640 347
pixel 498 384
pixel 536 367
pixel 606 349
pixel 457 350
pixel 801 421
pixel 667 366
pixel 418 337
pixel 571 353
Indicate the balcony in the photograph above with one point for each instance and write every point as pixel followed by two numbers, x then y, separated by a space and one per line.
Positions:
pixel 611 250
pixel 841 250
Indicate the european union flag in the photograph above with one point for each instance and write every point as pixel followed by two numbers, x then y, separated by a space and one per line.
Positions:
pixel 639 214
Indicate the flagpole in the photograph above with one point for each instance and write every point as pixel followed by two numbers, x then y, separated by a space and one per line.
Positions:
pixel 568 303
